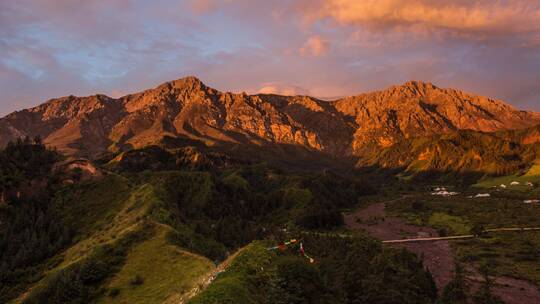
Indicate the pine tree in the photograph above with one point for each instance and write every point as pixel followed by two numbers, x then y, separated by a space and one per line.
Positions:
pixel 456 292
pixel 484 294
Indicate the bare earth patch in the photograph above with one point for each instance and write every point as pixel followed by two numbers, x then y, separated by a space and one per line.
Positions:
pixel 512 291
pixel 437 256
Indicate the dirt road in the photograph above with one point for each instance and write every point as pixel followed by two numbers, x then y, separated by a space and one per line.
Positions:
pixel 459 237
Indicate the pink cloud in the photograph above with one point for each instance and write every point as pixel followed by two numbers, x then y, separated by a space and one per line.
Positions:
pixel 282 89
pixel 117 93
pixel 314 46
pixel 204 6
pixel 479 17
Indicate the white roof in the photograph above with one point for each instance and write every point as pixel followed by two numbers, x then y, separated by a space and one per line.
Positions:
pixel 444 193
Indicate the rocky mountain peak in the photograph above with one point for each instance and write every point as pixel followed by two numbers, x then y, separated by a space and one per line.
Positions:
pixel 169 94
pixel 189 83
pixel 186 107
pixel 418 87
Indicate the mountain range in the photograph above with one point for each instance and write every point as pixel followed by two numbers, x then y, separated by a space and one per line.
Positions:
pixel 182 193
pixel 357 127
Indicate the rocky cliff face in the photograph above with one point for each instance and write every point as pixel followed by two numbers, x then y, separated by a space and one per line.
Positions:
pixel 422 109
pixel 186 107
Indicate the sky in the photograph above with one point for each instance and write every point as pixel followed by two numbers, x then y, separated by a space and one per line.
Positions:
pixel 322 48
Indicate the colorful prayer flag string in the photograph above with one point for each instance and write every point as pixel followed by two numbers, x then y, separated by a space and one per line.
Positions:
pixel 283 245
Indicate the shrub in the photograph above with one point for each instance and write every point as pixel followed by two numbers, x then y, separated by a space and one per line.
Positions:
pixel 418 206
pixel 297 282
pixel 442 232
pixel 294 196
pixel 320 217
pixel 457 290
pixel 197 244
pixel 114 292
pixel 484 294
pixel 235 182
pixel 477 230
pixel 136 280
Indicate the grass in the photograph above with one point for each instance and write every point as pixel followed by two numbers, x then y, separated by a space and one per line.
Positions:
pixel 513 255
pixel 494 212
pixel 155 271
pixel 404 177
pixel 102 213
pixel 129 213
pixel 234 285
pixel 89 206
pixel 532 175
pixel 534 170
pixel 455 224
pixel 79 281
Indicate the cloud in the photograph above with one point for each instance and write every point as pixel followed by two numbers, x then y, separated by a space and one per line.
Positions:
pixel 282 89
pixel 314 46
pixel 473 18
pixel 53 48
pixel 205 6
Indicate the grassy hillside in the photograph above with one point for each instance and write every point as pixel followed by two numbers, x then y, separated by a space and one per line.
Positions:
pixel 81 280
pixel 111 211
pixel 155 271
pixel 531 175
pixel 100 213
pixel 463 156
pixel 233 286
pixel 111 239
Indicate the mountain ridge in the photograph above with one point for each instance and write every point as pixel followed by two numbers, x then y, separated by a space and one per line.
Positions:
pixel 186 107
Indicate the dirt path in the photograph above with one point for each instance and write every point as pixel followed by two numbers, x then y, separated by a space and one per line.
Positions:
pixel 206 280
pixel 435 251
pixel 429 239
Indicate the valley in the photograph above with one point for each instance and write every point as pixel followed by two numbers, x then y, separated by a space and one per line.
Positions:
pixel 270 152
pixel 175 194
